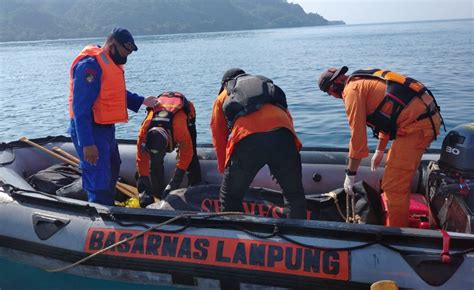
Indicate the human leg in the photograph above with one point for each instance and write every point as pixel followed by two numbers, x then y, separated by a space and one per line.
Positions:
pixel 285 165
pixel 244 164
pixel 157 173
pixel 97 179
pixel 115 162
pixel 402 162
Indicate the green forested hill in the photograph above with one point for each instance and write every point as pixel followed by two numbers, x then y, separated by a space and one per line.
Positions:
pixel 55 19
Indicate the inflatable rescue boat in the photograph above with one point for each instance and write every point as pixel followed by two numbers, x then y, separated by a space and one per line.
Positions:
pixel 185 241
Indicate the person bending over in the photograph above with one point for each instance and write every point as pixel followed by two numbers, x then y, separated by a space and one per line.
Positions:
pixel 170 124
pixel 397 108
pixel 252 127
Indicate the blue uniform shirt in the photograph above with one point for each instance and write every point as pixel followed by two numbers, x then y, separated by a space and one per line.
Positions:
pixel 86 87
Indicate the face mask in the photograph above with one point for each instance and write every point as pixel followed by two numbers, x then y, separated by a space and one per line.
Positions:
pixel 117 58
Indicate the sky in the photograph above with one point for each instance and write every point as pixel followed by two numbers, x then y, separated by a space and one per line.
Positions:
pixel 376 11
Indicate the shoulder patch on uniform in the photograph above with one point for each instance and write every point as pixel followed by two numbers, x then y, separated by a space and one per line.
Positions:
pixel 90 75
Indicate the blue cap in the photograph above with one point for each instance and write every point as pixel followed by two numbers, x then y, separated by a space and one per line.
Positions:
pixel 125 38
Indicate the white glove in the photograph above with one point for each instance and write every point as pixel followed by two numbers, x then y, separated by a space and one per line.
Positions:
pixel 376 159
pixel 349 183
pixel 150 101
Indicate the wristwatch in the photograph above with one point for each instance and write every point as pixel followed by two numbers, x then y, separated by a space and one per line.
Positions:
pixel 350 173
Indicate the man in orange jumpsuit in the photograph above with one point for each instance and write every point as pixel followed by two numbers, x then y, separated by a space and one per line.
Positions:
pixel 169 125
pixel 247 138
pixel 396 107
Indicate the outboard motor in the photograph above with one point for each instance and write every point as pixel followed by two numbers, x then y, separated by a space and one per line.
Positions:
pixel 457 154
pixel 450 184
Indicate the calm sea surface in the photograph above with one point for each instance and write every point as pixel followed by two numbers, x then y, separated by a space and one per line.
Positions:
pixel 34 75
pixel 34 85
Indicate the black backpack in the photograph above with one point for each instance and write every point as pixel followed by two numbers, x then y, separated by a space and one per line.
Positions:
pixel 248 93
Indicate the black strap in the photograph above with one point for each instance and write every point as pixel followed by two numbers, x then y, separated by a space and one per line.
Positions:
pixel 385 73
pixel 438 109
pixel 427 115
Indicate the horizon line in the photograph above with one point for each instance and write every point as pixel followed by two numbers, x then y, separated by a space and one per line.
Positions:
pixel 345 24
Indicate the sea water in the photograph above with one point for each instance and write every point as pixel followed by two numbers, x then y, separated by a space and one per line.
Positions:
pixel 34 80
pixel 34 76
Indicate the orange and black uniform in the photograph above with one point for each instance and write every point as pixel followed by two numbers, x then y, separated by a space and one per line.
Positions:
pixel 182 135
pixel 265 136
pixel 361 97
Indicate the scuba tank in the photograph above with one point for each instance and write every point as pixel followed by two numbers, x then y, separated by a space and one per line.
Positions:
pixel 450 181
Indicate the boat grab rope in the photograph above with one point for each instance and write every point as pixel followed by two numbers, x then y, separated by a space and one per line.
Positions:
pixel 278 233
pixel 187 225
pixel 146 226
pixel 186 215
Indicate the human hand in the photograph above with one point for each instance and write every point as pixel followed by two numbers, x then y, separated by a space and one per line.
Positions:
pixel 376 159
pixel 349 183
pixel 151 101
pixel 178 176
pixel 175 182
pixel 166 192
pixel 91 154
pixel 144 185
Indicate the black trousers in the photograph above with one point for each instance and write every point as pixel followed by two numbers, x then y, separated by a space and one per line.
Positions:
pixel 276 149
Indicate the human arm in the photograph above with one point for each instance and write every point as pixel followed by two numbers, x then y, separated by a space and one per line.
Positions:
pixel 182 138
pixel 219 130
pixel 86 87
pixel 135 101
pixel 356 114
pixel 356 111
pixel 143 157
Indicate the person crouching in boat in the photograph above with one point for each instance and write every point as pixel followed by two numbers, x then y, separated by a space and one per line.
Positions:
pixel 170 124
pixel 251 126
pixel 397 108
pixel 98 100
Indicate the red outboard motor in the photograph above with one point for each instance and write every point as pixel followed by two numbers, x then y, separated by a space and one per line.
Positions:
pixel 450 182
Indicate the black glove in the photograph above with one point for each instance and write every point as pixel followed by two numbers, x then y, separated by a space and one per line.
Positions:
pixel 145 190
pixel 144 185
pixel 145 199
pixel 175 182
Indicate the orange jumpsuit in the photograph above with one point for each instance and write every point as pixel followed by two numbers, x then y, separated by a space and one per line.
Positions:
pixel 181 139
pixel 361 97
pixel 267 118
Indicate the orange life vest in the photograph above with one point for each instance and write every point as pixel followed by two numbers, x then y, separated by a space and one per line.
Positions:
pixel 400 92
pixel 169 104
pixel 110 106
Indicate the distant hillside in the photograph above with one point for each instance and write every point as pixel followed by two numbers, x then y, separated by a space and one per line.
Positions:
pixel 55 19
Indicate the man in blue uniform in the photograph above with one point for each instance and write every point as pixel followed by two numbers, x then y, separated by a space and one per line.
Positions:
pixel 98 99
